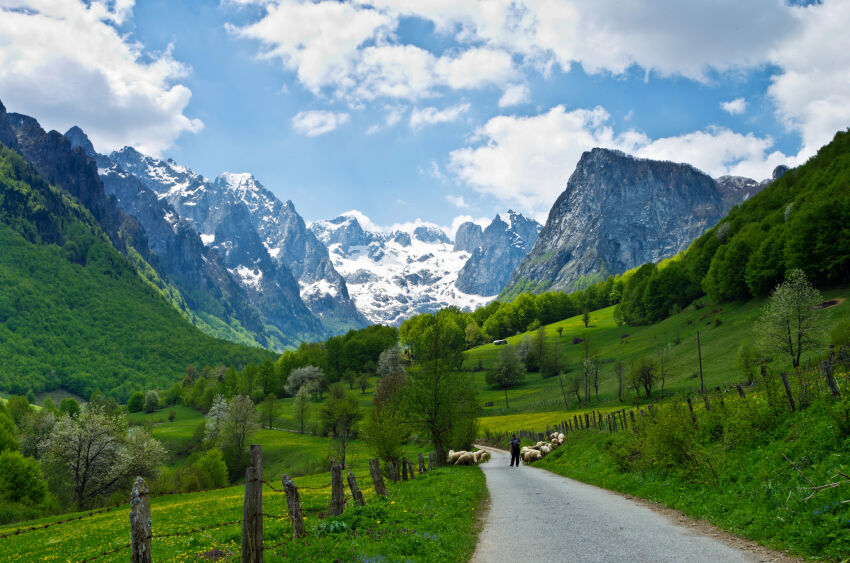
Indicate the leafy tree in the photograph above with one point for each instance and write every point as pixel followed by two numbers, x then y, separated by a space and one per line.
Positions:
pixel 230 425
pixel 211 469
pixel 585 318
pixel 92 454
pixel 507 372
pixel 8 431
pixel 267 409
pixel 441 402
pixel 363 382
pixel 551 364
pixel 619 370
pixel 474 336
pixel 643 373
pixel 310 376
pixel 21 479
pixel 36 429
pixel 19 407
pixel 151 401
pixel 339 416
pixel 559 330
pixel 790 322
pixel 389 362
pixel 536 354
pixel 135 404
pixel 301 408
pixel 749 359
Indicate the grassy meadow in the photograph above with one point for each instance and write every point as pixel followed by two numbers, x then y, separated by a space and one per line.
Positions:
pixel 723 329
pixel 432 518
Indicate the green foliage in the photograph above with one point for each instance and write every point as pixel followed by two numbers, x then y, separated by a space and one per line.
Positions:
pixel 69 406
pixel 508 370
pixel 21 479
pixel 136 402
pixel 8 431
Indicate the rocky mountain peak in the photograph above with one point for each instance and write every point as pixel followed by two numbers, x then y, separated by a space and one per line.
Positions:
pixel 79 139
pixel 430 233
pixel 468 236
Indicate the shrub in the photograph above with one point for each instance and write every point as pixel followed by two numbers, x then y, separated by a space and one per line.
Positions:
pixel 135 404
pixel 21 478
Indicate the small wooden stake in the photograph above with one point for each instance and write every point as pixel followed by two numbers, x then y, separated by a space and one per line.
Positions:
pixel 293 503
pixel 337 491
pixel 252 509
pixel 421 464
pixel 140 523
pixel 356 493
pixel 377 478
pixel 784 377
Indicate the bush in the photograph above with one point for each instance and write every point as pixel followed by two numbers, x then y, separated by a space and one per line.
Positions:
pixel 136 402
pixel 21 479
pixel 151 401
pixel 840 335
pixel 211 470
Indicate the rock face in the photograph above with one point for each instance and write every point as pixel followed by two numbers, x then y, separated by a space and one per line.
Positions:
pixel 269 249
pixel 503 245
pixel 468 237
pixel 392 276
pixel 619 212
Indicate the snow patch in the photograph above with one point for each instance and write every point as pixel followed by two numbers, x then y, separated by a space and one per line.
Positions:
pixel 249 277
pixel 207 238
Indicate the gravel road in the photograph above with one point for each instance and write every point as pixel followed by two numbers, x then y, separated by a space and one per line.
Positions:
pixel 537 516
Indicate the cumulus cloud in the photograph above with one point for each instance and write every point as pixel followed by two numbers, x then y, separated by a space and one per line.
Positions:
pixel 67 64
pixel 318 122
pixel 526 161
pixel 735 107
pixel 457 201
pixel 514 94
pixel 430 116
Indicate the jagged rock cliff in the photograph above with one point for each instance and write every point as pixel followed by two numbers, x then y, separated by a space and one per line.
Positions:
pixel 618 212
pixel 502 246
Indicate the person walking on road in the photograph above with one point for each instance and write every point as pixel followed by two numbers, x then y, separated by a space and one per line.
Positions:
pixel 515 443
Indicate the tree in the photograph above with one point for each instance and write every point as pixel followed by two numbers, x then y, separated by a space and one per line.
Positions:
pixel 268 409
pixel 311 376
pixel 94 454
pixel 619 370
pixel 151 401
pixel 441 402
pixel 301 408
pixel 662 367
pixel 551 366
pixel 537 350
pixel 19 407
pixel 363 382
pixel 596 378
pixel 473 333
pixel 507 372
pixel 559 330
pixel 389 362
pixel 748 361
pixel 8 431
pixel 230 425
pixel 135 404
pixel 211 470
pixel 339 416
pixel 585 318
pixel 21 479
pixel 575 386
pixel 36 429
pixel 350 377
pixel 791 322
pixel 644 373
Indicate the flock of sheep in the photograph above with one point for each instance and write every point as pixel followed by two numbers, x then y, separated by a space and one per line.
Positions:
pixel 540 449
pixel 467 458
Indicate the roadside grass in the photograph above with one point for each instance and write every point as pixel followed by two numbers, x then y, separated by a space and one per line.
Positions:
pixel 536 421
pixel 678 334
pixel 432 518
pixel 756 493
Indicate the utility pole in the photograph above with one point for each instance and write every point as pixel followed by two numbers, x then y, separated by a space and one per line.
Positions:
pixel 699 353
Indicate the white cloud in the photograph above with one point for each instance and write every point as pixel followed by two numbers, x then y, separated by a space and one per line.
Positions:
pixel 514 94
pixel 735 107
pixel 430 116
pixel 66 64
pixel 457 201
pixel 526 161
pixel 391 118
pixel 812 93
pixel 364 220
pixel 476 68
pixel 318 122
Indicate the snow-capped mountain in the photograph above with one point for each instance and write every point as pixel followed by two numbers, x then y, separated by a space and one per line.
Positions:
pixel 260 237
pixel 393 276
pixel 499 249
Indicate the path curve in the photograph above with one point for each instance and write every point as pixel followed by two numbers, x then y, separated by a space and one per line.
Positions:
pixel 538 516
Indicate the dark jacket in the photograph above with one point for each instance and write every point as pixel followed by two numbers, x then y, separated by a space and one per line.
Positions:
pixel 515 442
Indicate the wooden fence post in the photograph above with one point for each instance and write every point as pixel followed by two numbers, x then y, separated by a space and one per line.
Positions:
pixel 421 464
pixel 784 377
pixel 396 469
pixel 337 490
pixel 740 391
pixel 410 472
pixel 691 408
pixel 707 405
pixel 431 461
pixel 404 469
pixel 586 421
pixel 356 493
pixel 252 509
pixel 377 478
pixel 293 504
pixel 830 380
pixel 140 523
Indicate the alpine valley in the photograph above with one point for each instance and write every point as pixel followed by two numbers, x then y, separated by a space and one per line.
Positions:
pixel 241 264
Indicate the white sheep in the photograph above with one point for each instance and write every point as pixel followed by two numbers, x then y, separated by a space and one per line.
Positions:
pixel 481 456
pixel 545 449
pixel 466 459
pixel 454 456
pixel 561 438
pixel 532 455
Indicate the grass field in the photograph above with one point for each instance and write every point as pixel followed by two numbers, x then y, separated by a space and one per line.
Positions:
pixel 678 334
pixel 284 451
pixel 431 519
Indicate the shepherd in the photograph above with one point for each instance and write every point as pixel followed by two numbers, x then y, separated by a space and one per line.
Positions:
pixel 515 444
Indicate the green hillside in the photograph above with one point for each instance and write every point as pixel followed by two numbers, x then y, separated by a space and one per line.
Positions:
pixel 73 312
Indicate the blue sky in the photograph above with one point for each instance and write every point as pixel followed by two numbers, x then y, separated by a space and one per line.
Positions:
pixel 432 110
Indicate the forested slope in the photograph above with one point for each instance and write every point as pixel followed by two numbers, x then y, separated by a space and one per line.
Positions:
pixel 73 312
